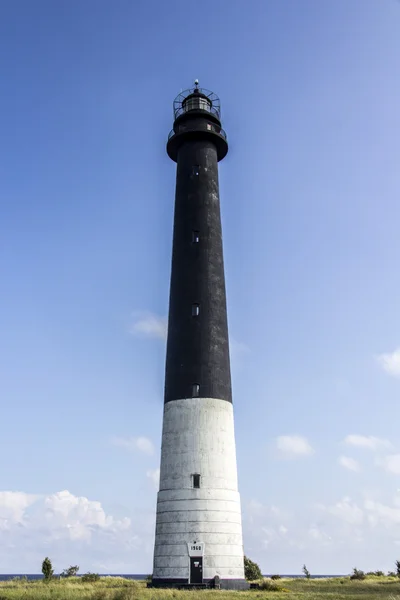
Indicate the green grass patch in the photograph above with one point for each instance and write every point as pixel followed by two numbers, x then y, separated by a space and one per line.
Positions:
pixel 118 588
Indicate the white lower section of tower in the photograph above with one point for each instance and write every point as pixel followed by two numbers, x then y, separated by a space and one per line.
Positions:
pixel 198 439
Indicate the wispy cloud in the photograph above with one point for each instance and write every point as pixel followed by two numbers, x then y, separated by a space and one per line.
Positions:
pixel 390 463
pixel 390 362
pixel 345 525
pixel 238 351
pixel 293 446
pixel 141 443
pixel 345 510
pixel 237 348
pixel 147 324
pixel 154 476
pixel 366 441
pixel 348 463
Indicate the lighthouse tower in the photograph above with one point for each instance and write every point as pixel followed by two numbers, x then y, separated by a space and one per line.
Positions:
pixel 198 528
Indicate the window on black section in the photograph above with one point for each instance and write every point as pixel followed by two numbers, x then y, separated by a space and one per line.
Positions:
pixel 196 170
pixel 195 237
pixel 195 390
pixel 195 310
pixel 196 480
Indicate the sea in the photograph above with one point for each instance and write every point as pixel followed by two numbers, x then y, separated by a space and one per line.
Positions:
pixel 142 576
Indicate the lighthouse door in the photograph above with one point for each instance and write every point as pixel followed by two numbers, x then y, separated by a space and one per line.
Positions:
pixel 196 569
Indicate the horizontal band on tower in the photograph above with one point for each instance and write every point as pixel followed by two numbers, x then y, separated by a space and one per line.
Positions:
pixel 218 138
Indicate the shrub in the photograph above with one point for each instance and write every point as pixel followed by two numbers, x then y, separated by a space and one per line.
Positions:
pixel 398 568
pixel 270 586
pixel 276 577
pixel 357 574
pixel 306 572
pixel 391 574
pixel 47 569
pixel 251 570
pixel 70 572
pixel 90 577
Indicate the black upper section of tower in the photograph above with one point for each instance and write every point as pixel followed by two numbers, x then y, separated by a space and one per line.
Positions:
pixel 197 363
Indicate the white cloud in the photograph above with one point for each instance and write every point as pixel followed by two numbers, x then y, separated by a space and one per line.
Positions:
pixel 147 324
pixel 154 476
pixel 347 510
pixel 254 508
pixel 348 463
pixel 390 362
pixel 293 446
pixel 283 530
pixel 366 441
pixel 390 463
pixel 332 537
pixel 382 515
pixel 78 515
pixel 145 445
pixel 62 525
pixel 315 533
pixel 141 443
pixel 13 506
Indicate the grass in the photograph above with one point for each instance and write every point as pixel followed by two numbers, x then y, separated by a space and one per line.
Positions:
pixel 117 588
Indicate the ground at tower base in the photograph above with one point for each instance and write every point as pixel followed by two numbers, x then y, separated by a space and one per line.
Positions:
pixel 118 588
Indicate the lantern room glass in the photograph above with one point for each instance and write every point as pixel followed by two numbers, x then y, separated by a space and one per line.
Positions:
pixel 196 103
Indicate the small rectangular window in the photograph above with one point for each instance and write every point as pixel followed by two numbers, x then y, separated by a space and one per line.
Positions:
pixel 195 390
pixel 195 310
pixel 196 480
pixel 195 237
pixel 196 170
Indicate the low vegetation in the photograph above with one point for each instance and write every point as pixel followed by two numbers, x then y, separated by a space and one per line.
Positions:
pixel 358 574
pixel 70 572
pixel 91 586
pixel 373 587
pixel 90 577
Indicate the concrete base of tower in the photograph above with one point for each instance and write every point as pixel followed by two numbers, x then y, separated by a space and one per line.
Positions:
pixel 199 525
pixel 224 584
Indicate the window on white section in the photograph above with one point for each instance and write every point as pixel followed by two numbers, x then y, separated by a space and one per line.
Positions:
pixel 195 237
pixel 195 390
pixel 196 480
pixel 195 310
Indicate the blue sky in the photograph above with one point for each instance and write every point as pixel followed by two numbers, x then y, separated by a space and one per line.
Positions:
pixel 309 192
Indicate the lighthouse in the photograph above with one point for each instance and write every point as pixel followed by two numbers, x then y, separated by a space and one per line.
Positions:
pixel 198 539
